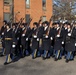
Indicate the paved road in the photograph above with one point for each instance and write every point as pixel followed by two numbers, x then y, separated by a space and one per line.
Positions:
pixel 28 66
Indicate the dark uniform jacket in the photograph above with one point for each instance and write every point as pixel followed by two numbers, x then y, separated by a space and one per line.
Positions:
pixel 58 40
pixel 35 39
pixel 64 33
pixel 8 41
pixel 27 38
pixel 14 40
pixel 70 41
pixel 46 42
pixel 3 28
pixel 23 37
pixel 18 37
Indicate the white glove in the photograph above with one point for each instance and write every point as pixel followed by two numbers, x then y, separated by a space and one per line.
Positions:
pixel 37 39
pixel 18 38
pixel 13 46
pixel 75 44
pixel 62 42
pixel 69 34
pixel 23 34
pixel 35 36
pixel 58 35
pixel 26 39
pixel 51 38
pixel 3 33
pixel 46 36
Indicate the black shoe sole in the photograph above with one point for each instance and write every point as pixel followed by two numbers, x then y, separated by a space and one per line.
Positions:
pixel 56 59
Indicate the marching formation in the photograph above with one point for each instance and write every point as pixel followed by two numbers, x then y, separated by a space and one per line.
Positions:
pixel 19 40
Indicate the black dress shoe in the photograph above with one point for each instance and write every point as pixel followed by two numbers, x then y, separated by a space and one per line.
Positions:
pixel 48 57
pixel 53 56
pixel 33 57
pixel 67 61
pixel 43 58
pixel 14 60
pixel 1 55
pixel 6 63
pixel 60 58
pixel 22 56
pixel 56 59
pixel 64 57
pixel 71 59
pixel 28 55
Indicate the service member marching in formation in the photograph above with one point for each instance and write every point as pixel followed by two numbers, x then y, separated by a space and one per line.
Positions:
pixel 35 40
pixel 3 28
pixel 46 41
pixel 70 42
pixel 14 41
pixel 23 39
pixel 27 37
pixel 8 44
pixel 58 42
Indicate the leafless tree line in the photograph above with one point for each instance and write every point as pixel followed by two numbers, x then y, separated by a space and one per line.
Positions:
pixel 64 10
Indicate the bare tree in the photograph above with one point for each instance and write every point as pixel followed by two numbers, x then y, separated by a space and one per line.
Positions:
pixel 64 10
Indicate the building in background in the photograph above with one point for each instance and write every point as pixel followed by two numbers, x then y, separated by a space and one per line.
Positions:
pixel 25 9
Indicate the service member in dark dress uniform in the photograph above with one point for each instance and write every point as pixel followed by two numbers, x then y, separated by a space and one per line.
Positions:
pixel 35 40
pixel 40 36
pixel 64 33
pixel 8 43
pixel 46 41
pixel 58 42
pixel 70 42
pixel 53 32
pixel 75 37
pixel 27 39
pixel 18 37
pixel 23 33
pixel 74 30
pixel 14 41
pixel 3 28
pixel 52 37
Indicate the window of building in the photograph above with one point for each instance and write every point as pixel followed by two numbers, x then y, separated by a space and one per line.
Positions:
pixel 7 17
pixel 27 17
pixel 44 18
pixel 44 4
pixel 8 2
pixel 27 4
